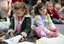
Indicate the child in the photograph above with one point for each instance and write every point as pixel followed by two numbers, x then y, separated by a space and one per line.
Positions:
pixel 43 26
pixel 62 9
pixel 53 14
pixel 57 8
pixel 32 11
pixel 21 22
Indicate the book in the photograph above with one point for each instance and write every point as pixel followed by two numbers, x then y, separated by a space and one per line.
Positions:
pixel 13 40
pixel 45 40
pixel 25 42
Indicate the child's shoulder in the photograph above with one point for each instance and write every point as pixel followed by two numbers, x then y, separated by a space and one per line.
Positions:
pixel 37 16
pixel 28 15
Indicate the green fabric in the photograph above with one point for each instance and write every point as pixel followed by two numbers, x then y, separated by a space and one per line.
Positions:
pixel 3 13
pixel 47 17
pixel 60 35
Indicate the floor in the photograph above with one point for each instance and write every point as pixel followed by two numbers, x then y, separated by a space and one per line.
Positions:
pixel 61 28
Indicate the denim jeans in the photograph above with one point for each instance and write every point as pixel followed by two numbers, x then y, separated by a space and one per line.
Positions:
pixel 56 21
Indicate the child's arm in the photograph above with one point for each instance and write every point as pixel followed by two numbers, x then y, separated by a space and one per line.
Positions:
pixel 61 9
pixel 11 27
pixel 51 25
pixel 27 28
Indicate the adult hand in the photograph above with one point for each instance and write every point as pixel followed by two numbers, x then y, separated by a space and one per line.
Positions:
pixel 9 14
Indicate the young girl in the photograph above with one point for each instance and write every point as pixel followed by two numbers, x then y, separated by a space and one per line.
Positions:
pixel 21 22
pixel 43 25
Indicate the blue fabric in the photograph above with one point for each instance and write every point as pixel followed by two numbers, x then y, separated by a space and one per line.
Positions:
pixel 43 19
pixel 56 21
pixel 27 4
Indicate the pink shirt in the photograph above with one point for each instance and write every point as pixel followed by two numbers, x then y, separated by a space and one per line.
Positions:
pixel 19 24
pixel 44 16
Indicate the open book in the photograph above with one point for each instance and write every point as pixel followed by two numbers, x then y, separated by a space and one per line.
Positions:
pixel 26 42
pixel 13 40
pixel 50 41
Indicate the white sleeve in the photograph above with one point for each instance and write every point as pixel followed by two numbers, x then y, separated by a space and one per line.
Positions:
pixel 9 0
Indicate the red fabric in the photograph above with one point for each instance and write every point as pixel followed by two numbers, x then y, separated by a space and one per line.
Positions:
pixel 55 14
pixel 14 1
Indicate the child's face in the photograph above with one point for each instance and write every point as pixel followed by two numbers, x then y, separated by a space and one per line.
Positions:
pixel 50 6
pixel 57 8
pixel 42 11
pixel 18 12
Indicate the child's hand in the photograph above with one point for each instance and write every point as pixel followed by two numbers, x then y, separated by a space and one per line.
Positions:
pixel 11 35
pixel 61 16
pixel 22 39
pixel 55 29
pixel 54 35
pixel 1 40
pixel 59 19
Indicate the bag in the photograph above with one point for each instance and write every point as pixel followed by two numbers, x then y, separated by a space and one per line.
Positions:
pixel 4 26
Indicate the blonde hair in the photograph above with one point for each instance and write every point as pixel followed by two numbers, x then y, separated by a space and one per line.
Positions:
pixel 21 5
pixel 57 5
pixel 47 3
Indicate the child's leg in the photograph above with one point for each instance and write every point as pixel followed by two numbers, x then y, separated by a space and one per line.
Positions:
pixel 56 21
pixel 38 31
